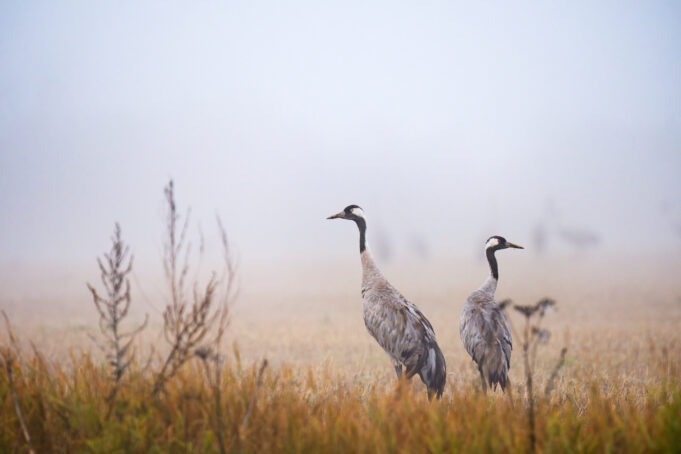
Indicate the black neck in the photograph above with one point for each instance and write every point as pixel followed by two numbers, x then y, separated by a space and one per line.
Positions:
pixel 362 226
pixel 493 263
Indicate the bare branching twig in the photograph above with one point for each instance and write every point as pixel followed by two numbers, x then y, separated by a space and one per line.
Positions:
pixel 188 322
pixel 532 336
pixel 113 308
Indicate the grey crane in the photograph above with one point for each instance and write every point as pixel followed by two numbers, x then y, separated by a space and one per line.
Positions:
pixel 484 328
pixel 397 324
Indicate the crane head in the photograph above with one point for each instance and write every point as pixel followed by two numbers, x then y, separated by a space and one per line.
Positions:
pixel 499 242
pixel 350 212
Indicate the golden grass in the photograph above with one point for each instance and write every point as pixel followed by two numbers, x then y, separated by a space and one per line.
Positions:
pixel 330 388
pixel 320 410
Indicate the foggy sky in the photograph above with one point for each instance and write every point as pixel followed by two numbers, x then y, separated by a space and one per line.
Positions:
pixel 445 121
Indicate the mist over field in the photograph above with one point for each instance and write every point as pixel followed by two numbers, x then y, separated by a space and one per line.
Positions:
pixel 556 126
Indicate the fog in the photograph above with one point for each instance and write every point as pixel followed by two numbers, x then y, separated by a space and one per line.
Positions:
pixel 557 126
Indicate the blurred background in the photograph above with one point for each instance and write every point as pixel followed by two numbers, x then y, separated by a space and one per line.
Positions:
pixel 557 126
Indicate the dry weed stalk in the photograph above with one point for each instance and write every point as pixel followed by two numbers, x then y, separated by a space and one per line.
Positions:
pixel 251 404
pixel 113 308
pixel 7 356
pixel 240 431
pixel 533 335
pixel 187 323
pixel 213 361
pixel 212 365
pixel 554 374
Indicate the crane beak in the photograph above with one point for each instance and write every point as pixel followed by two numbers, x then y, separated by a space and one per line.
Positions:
pixel 340 215
pixel 514 246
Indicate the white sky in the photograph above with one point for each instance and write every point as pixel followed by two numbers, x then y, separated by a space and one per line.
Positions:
pixel 445 120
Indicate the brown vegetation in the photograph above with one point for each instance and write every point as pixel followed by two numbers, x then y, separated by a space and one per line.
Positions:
pixel 113 308
pixel 326 386
pixel 65 409
pixel 188 322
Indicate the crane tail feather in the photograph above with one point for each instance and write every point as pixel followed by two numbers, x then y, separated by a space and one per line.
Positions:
pixel 433 370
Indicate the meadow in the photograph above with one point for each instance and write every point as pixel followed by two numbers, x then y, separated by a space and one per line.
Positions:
pixel 328 388
pixel 556 125
pixel 232 365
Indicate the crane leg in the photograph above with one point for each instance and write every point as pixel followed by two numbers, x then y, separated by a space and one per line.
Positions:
pixel 482 380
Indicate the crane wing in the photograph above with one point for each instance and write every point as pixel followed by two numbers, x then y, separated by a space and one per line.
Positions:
pixel 485 332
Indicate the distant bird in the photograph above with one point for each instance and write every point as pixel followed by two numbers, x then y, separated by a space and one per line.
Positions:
pixel 539 237
pixel 484 328
pixel 580 239
pixel 398 325
pixel 419 246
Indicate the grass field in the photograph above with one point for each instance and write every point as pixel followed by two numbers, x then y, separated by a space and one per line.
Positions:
pixel 328 387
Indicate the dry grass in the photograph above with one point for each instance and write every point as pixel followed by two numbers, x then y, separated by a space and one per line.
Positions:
pixel 627 401
pixel 325 385
pixel 329 387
